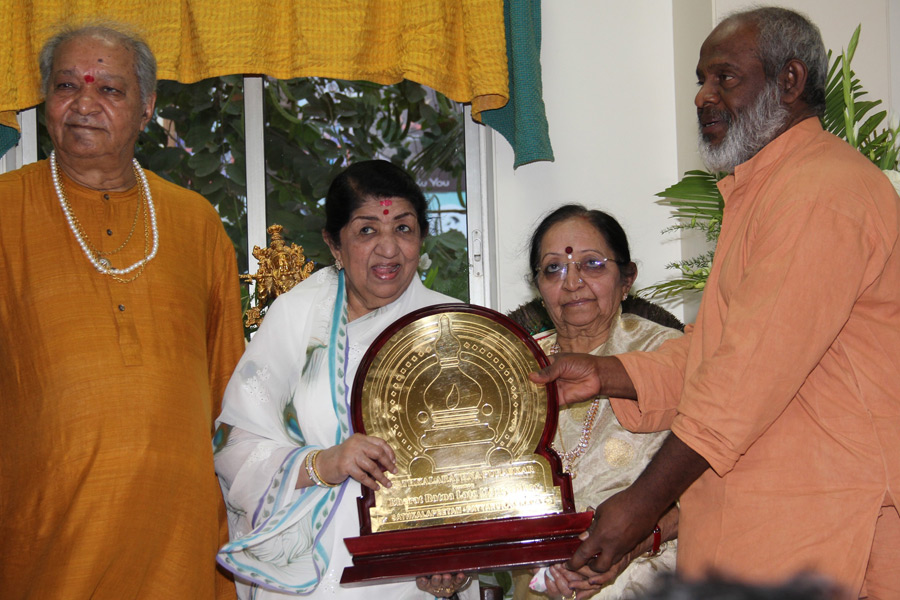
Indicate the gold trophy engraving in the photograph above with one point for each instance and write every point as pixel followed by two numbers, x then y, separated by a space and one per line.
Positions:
pixel 450 392
pixel 457 437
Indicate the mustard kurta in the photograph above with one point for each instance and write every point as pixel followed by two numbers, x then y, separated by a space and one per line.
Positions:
pixel 109 391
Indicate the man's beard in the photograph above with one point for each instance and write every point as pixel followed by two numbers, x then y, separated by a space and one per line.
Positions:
pixel 747 132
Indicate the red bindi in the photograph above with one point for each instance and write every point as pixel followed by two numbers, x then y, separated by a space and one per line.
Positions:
pixel 386 211
pixel 568 249
pixel 89 79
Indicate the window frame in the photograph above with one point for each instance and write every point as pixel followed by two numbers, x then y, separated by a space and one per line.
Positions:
pixel 480 187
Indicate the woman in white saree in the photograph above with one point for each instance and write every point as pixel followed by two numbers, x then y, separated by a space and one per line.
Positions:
pixel 289 463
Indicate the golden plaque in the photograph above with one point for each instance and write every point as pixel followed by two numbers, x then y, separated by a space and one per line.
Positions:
pixel 450 393
pixel 447 387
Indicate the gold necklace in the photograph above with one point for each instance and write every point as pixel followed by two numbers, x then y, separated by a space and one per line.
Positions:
pixel 137 213
pixel 98 258
pixel 569 457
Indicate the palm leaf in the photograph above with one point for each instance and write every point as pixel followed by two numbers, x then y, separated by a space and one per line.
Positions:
pixel 695 197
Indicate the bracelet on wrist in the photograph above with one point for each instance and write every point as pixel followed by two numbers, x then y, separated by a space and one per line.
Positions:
pixel 313 473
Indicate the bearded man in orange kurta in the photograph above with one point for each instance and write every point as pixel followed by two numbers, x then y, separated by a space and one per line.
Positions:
pixel 119 328
pixel 784 401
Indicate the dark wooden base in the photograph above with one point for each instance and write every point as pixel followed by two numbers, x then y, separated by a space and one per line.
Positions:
pixel 468 547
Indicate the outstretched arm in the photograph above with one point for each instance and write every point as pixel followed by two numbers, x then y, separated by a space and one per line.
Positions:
pixel 628 517
pixel 582 376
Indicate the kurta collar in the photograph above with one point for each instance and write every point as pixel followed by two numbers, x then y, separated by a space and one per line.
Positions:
pixel 77 192
pixel 772 153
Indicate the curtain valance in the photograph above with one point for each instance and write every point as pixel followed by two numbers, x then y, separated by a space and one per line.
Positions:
pixel 456 47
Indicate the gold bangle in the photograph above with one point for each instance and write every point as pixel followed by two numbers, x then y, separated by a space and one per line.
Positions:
pixel 311 468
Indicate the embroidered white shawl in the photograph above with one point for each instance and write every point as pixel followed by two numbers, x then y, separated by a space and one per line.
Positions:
pixel 289 395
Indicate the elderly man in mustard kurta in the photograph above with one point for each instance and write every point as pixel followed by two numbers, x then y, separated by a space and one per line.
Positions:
pixel 119 327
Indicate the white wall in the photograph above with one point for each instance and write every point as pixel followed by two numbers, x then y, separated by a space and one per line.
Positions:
pixel 619 84
pixel 609 89
pixel 894 57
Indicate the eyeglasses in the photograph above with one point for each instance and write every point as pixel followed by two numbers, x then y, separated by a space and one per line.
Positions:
pixel 590 268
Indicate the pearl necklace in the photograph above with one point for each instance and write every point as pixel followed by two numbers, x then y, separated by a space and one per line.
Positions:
pixel 96 257
pixel 569 457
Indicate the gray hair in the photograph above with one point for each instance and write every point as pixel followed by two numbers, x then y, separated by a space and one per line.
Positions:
pixel 785 35
pixel 116 33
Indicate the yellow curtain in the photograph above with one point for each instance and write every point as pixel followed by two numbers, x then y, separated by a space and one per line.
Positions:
pixel 454 46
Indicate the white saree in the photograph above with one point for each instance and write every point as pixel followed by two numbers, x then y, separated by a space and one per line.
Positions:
pixel 290 395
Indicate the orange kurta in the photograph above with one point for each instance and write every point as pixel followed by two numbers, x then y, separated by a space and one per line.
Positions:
pixel 790 384
pixel 108 392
